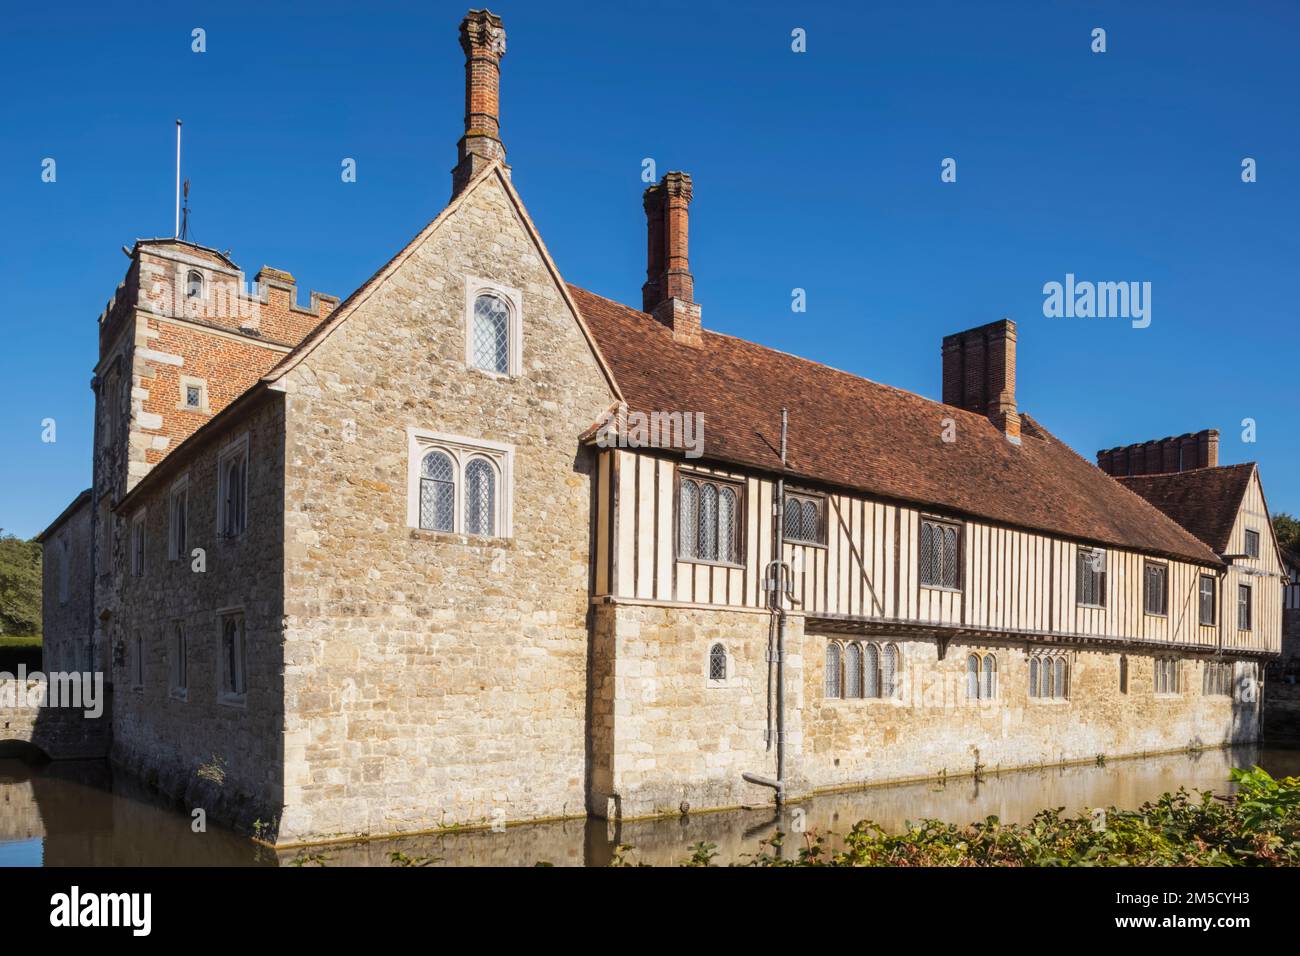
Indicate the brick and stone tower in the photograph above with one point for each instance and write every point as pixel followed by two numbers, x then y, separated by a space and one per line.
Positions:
pixel 483 39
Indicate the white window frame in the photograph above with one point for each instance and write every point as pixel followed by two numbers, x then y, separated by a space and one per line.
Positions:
pixel 235 449
pixel 461 451
pixel 239 696
pixel 187 382
pixel 174 551
pixel 138 549
pixel 513 298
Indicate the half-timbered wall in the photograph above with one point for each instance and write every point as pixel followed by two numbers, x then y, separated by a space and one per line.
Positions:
pixel 1012 581
pixel 1264 574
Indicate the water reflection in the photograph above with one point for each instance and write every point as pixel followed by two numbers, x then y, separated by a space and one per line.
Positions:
pixel 80 813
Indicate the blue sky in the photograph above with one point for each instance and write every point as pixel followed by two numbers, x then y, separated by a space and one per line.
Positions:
pixel 818 170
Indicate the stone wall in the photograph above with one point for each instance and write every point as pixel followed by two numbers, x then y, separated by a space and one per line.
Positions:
pixel 434 678
pixel 664 735
pixel 161 735
pixel 932 728
pixel 66 616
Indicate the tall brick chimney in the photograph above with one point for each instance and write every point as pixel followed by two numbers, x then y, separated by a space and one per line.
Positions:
pixel 1163 455
pixel 483 39
pixel 979 374
pixel 669 290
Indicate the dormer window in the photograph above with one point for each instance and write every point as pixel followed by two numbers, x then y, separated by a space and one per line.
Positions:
pixel 194 285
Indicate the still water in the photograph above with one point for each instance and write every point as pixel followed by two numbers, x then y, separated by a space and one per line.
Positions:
pixel 82 814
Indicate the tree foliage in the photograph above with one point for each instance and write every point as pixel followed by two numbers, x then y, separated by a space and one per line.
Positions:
pixel 20 585
pixel 1288 531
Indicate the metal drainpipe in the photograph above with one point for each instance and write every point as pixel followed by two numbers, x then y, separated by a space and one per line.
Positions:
pixel 777 604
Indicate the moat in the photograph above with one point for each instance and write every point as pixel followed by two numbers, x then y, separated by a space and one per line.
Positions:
pixel 81 813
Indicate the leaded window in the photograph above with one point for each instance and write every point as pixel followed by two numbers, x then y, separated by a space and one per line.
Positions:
pixel 717 662
pixel 889 682
pixel 803 519
pixel 1092 577
pixel 1243 607
pixel 853 671
pixel 973 677
pixel 940 554
pixel 437 492
pixel 989 686
pixel 708 521
pixel 1155 591
pixel 234 493
pixel 491 334
pixel 832 669
pixel 871 671
pixel 480 497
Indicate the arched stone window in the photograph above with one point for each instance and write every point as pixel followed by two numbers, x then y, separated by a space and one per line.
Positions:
pixel 872 669
pixel 832 669
pixel 889 683
pixel 973 677
pixel 853 671
pixel 491 334
pixel 194 285
pixel 480 497
pixel 989 688
pixel 717 662
pixel 437 492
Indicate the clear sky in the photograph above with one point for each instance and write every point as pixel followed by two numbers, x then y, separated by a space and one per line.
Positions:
pixel 817 170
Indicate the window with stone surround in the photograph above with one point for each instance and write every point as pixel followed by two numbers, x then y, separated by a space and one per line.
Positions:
pixel 137 544
pixel 717 665
pixel 1216 679
pixel 137 662
pixel 459 485
pixel 1049 676
pixel 180 683
pixel 232 488
pixel 193 394
pixel 981 677
pixel 232 658
pixel 493 327
pixel 194 285
pixel 178 517
pixel 1168 676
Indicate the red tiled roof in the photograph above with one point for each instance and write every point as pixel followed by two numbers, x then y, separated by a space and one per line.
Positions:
pixel 850 432
pixel 1205 501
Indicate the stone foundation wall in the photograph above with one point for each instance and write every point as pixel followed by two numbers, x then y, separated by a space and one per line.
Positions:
pixel 664 735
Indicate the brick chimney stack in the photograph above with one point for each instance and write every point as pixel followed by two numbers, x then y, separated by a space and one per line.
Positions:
pixel 483 38
pixel 979 374
pixel 1163 456
pixel 669 290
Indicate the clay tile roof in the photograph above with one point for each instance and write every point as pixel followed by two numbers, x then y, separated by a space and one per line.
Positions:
pixel 1205 501
pixel 853 433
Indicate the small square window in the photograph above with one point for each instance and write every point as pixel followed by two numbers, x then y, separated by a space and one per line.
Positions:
pixel 803 519
pixel 193 396
pixel 1252 544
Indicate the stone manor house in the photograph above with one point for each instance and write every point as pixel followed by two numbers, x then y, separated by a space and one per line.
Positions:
pixel 373 566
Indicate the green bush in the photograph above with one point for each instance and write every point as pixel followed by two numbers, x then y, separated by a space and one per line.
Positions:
pixel 1258 825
